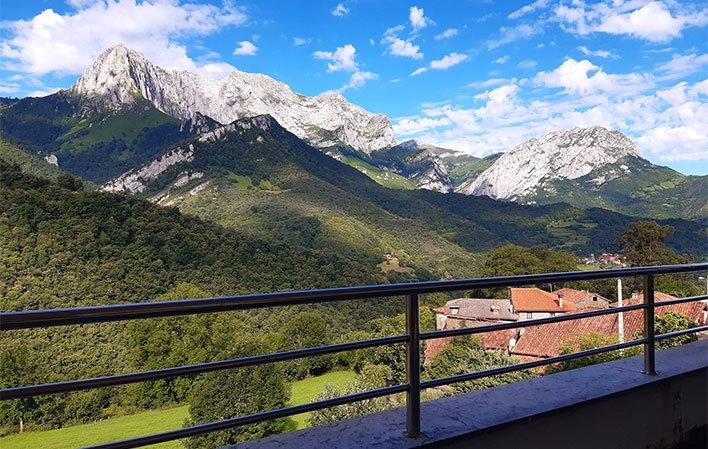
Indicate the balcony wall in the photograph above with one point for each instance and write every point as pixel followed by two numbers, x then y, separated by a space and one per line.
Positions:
pixel 610 405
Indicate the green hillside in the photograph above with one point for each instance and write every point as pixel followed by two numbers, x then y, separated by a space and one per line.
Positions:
pixel 64 248
pixel 632 186
pixel 296 192
pixel 28 162
pixel 88 141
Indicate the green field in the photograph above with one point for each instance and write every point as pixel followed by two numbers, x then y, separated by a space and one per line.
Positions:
pixel 305 390
pixel 144 423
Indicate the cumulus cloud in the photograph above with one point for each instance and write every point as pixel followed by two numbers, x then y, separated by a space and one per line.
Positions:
pixel 343 59
pixel 67 43
pixel 584 78
pixel 667 123
pixel 501 60
pixel 246 48
pixel 404 48
pixel 447 34
pixel 417 18
pixel 448 61
pixel 340 10
pixel 443 63
pixel 651 21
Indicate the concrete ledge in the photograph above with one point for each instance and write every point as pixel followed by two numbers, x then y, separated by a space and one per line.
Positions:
pixel 608 405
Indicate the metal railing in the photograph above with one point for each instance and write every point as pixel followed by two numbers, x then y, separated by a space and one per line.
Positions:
pixel 412 339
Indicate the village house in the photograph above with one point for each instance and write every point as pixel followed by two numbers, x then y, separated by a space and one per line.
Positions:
pixel 583 299
pixel 532 303
pixel 539 342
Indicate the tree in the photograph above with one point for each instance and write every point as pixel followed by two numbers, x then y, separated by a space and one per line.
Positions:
pixel 585 342
pixel 371 377
pixel 643 244
pixel 68 182
pixel 511 260
pixel 671 322
pixel 238 392
pixel 305 330
pixel 466 355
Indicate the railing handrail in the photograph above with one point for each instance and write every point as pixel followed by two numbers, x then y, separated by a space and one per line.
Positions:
pixel 412 338
pixel 118 312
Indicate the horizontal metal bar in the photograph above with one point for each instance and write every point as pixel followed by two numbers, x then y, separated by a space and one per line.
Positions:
pixel 528 365
pixel 671 302
pixel 83 315
pixel 526 323
pixel 673 334
pixel 250 419
pixel 121 379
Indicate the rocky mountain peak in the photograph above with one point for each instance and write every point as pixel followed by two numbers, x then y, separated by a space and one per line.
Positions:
pixel 568 154
pixel 120 75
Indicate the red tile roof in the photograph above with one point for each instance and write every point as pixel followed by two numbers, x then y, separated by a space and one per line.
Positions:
pixel 546 340
pixel 537 300
pixel 490 340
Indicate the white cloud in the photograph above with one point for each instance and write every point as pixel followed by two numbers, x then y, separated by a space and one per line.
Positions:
pixel 538 4
pixel 67 43
pixel 501 60
pixel 443 63
pixel 492 82
pixel 301 41
pixel 682 65
pixel 406 49
pixel 585 78
pixel 448 61
pixel 359 78
pixel 417 18
pixel 508 35
pixel 343 59
pixel 340 10
pixel 407 126
pixel 597 53
pixel 527 64
pixel 450 32
pixel 246 48
pixel 651 21
pixel 669 124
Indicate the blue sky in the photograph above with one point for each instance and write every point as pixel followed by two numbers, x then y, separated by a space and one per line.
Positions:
pixel 473 75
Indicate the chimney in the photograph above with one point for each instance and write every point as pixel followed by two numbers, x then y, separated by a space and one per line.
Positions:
pixel 560 300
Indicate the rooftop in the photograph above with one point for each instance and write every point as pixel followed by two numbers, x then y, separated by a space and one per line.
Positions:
pixel 536 300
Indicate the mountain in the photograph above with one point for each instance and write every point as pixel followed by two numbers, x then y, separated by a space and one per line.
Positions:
pixel 590 167
pixel 256 177
pixel 464 167
pixel 94 144
pixel 418 162
pixel 119 75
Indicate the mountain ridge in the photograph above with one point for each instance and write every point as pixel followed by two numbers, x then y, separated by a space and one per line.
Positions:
pixel 119 73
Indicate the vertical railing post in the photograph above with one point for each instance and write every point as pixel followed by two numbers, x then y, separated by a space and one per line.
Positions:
pixel 649 332
pixel 412 367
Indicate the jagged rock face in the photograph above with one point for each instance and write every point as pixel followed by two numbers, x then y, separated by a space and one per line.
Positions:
pixel 559 155
pixel 419 163
pixel 119 74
